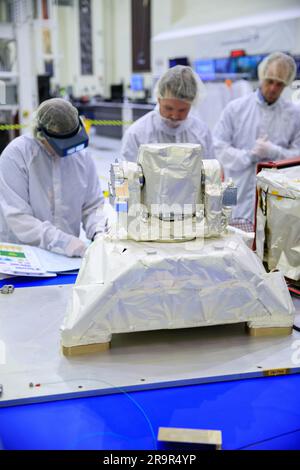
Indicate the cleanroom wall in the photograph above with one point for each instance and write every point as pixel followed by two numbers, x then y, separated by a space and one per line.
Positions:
pixel 185 13
pixel 111 30
pixel 171 15
pixel 69 47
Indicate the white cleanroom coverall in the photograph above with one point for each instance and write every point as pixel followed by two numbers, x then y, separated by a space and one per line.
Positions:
pixel 151 129
pixel 44 198
pixel 242 122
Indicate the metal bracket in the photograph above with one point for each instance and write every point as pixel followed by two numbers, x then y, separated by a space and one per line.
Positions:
pixel 7 289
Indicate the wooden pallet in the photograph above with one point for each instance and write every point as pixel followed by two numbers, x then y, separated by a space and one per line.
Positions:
pixel 195 438
pixel 101 347
pixel 85 349
pixel 270 331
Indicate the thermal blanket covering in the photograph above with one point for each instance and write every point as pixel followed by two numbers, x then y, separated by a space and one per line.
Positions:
pixel 278 220
pixel 126 286
pixel 166 169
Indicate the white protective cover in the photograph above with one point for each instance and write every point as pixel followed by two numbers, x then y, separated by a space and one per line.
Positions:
pixel 181 197
pixel 278 229
pixel 126 286
pixel 172 174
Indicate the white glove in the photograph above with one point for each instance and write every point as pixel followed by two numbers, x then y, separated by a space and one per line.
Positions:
pixel 265 150
pixel 76 247
pixel 97 235
pixel 107 229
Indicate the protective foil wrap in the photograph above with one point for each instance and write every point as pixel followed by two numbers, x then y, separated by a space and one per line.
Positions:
pixel 278 220
pixel 125 286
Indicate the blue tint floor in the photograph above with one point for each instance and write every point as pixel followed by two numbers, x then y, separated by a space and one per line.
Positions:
pixel 258 413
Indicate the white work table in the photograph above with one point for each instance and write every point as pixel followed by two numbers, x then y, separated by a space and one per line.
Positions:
pixel 32 367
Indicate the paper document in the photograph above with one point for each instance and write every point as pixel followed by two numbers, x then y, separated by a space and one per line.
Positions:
pixel 25 260
pixel 52 262
pixel 19 260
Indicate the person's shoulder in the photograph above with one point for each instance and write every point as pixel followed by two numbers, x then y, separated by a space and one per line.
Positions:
pixel 21 144
pixel 196 121
pixel 290 107
pixel 82 158
pixel 142 122
pixel 240 103
pixel 292 112
pixel 20 141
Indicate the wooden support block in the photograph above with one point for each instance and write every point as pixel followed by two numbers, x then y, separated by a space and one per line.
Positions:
pixel 271 331
pixel 85 349
pixel 179 437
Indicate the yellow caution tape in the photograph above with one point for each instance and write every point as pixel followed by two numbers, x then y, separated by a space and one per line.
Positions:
pixel 87 123
pixel 107 122
pixel 11 127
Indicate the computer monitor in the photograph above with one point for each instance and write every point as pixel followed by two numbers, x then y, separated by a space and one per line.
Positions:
pixel 117 92
pixel 137 82
pixel 222 65
pixel 205 68
pixel 43 82
pixel 247 65
pixel 178 61
pixel 231 67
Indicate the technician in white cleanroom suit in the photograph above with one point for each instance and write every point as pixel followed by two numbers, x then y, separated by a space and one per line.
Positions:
pixel 44 196
pixel 261 126
pixel 172 121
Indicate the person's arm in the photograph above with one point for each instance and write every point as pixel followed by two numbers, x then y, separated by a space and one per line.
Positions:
pixel 285 154
pixel 266 150
pixel 130 146
pixel 230 157
pixel 93 218
pixel 14 200
pixel 209 151
pixel 293 149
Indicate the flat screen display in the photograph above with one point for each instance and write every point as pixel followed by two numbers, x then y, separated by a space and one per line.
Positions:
pixel 205 68
pixel 137 82
pixel 247 65
pixel 233 67
pixel 222 65
pixel 178 61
